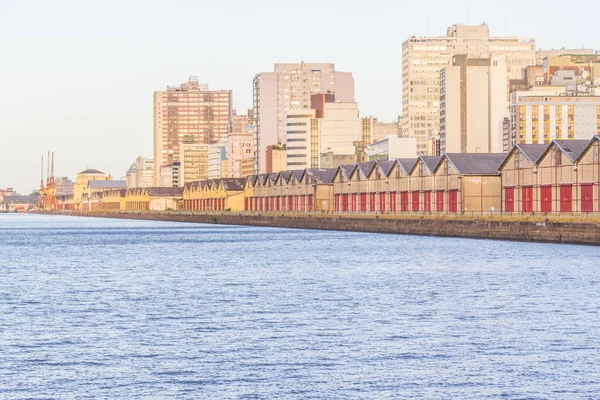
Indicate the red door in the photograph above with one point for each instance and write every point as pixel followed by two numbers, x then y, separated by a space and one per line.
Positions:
pixel 381 202
pixel 546 198
pixel 453 201
pixel 336 203
pixel 393 202
pixel 363 202
pixel 509 199
pixel 404 201
pixel 427 201
pixel 527 199
pixel 587 197
pixel 415 201
pixel 310 202
pixel 345 202
pixel 354 201
pixel 439 201
pixel 566 198
pixel 371 202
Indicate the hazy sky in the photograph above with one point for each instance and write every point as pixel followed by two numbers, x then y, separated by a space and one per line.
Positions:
pixel 77 77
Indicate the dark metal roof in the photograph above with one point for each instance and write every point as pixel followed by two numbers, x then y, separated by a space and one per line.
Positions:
pixel 233 183
pixel 476 163
pixel 533 151
pixel 165 191
pixel 430 161
pixel 386 166
pixel 298 174
pixel 107 184
pixel 322 175
pixel 407 163
pixel 285 176
pixel 367 167
pixel 572 148
pixel 347 170
pixel 91 171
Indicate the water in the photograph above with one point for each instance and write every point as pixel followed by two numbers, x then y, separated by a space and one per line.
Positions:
pixel 99 308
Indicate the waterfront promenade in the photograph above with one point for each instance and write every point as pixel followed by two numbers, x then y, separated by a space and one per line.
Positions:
pixel 555 230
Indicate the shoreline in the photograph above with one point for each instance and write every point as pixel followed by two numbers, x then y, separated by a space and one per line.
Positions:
pixel 543 231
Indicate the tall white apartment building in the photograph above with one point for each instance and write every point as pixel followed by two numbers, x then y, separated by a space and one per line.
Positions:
pixel 424 57
pixel 473 105
pixel 330 127
pixel 289 87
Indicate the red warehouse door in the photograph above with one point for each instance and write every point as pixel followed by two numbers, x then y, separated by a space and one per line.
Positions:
pixel 527 199
pixel 393 202
pixel 363 202
pixel 509 199
pixel 336 203
pixel 427 201
pixel 310 202
pixel 354 201
pixel 371 202
pixel 345 202
pixel 404 201
pixel 546 198
pixel 415 201
pixel 439 201
pixel 587 197
pixel 453 201
pixel 566 198
pixel 381 202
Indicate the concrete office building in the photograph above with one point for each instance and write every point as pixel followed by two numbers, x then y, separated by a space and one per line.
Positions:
pixel 424 57
pixel 391 148
pixel 290 87
pixel 189 110
pixel 374 130
pixel 539 118
pixel 194 162
pixel 217 160
pixel 329 129
pixel 240 151
pixel 473 105
pixel 169 175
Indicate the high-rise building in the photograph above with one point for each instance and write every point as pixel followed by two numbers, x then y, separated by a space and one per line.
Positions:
pixel 424 57
pixel 141 173
pixel 473 105
pixel 275 159
pixel 289 87
pixel 189 110
pixel 169 175
pixel 240 153
pixel 583 65
pixel 374 130
pixel 193 162
pixel 540 54
pixel 540 117
pixel 330 128
pixel 217 159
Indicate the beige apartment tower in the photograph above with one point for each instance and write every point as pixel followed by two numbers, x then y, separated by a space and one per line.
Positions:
pixel 473 105
pixel 189 111
pixel 290 87
pixel 424 57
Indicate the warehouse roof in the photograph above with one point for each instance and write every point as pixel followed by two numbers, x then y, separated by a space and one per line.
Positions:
pixel 475 163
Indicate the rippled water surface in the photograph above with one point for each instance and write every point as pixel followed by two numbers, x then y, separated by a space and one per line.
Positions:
pixel 100 308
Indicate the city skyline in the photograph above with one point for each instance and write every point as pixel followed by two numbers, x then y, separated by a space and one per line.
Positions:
pixel 81 78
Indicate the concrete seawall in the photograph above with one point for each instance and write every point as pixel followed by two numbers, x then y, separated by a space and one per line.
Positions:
pixel 525 231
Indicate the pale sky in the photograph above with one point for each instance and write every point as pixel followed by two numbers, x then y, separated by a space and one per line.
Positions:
pixel 77 77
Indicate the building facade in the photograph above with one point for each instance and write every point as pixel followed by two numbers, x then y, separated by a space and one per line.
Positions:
pixel 473 105
pixel 170 175
pixel 240 151
pixel 188 112
pixel 289 87
pixel 423 58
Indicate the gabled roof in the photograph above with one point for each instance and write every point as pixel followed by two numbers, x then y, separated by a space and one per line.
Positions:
pixel 321 175
pixel 297 173
pixel 430 161
pixel 347 170
pixel 475 163
pixel 386 166
pixel 261 179
pixel 407 164
pixel 572 148
pixel 273 176
pixel 251 180
pixel 107 184
pixel 532 152
pixel 91 171
pixel 366 168
pixel 165 191
pixel 596 138
pixel 233 183
pixel 285 176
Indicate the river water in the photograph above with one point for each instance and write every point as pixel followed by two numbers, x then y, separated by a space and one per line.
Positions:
pixel 101 308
